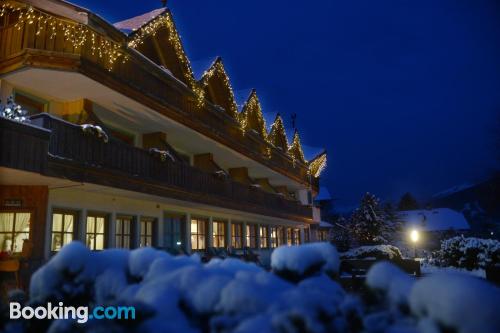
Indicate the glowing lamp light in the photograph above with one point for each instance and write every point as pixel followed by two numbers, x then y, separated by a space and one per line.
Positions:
pixel 414 236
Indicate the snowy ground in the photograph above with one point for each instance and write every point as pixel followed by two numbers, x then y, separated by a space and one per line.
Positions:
pixel 180 294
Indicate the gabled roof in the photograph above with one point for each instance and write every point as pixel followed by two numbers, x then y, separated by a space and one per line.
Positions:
pixel 295 149
pixel 132 24
pixel 439 219
pixel 251 117
pixel 317 164
pixel 217 88
pixel 159 25
pixel 277 134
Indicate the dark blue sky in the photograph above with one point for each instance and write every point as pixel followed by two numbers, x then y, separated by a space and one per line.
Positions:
pixel 403 94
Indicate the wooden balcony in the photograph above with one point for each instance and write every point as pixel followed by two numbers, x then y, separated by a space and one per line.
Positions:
pixel 57 148
pixel 143 81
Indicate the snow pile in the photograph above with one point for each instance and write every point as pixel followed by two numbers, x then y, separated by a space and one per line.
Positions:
pixel 296 262
pixel 96 131
pixel 469 253
pixel 389 252
pixel 457 303
pixel 180 294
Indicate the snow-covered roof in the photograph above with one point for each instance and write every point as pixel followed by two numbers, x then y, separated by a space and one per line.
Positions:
pixel 200 66
pixel 129 25
pixel 439 219
pixel 323 194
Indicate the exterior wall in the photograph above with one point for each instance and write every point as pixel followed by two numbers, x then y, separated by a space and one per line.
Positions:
pixel 83 202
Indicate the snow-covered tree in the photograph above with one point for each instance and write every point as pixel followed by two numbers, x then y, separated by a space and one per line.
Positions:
pixel 370 223
pixel 13 111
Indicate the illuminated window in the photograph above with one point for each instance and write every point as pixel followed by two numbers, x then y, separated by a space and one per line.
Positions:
pixel 147 228
pixel 237 235
pixel 263 232
pixel 274 237
pixel 14 229
pixel 96 232
pixel 198 234
pixel 219 234
pixel 251 236
pixel 63 228
pixel 289 236
pixel 123 231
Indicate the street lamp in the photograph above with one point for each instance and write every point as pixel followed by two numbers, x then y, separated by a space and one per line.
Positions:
pixel 414 237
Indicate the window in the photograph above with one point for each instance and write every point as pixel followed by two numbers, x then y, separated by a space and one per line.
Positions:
pixel 123 231
pixel 289 236
pixel 296 236
pixel 96 232
pixel 281 235
pixel 198 234
pixel 63 228
pixel 237 235
pixel 219 234
pixel 264 232
pixel 147 227
pixel 274 237
pixel 14 229
pixel 251 236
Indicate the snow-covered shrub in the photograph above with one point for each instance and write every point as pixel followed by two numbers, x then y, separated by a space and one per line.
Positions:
pixel 294 263
pixel 96 131
pixel 378 252
pixel 467 252
pixel 13 111
pixel 456 303
pixel 181 294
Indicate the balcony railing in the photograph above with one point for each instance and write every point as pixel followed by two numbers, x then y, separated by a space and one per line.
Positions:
pixel 53 146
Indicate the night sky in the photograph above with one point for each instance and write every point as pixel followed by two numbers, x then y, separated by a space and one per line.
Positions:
pixel 402 94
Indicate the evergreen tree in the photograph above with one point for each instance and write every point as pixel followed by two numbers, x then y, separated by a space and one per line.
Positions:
pixel 407 202
pixel 13 111
pixel 369 224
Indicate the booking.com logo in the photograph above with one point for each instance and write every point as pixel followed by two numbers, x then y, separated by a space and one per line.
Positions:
pixel 80 314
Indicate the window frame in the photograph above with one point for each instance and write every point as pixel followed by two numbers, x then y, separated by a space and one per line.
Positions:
pixel 64 213
pixel 249 238
pixel 273 230
pixel 264 236
pixel 121 234
pixel 96 215
pixel 13 231
pixel 218 239
pixel 234 237
pixel 147 239
pixel 198 235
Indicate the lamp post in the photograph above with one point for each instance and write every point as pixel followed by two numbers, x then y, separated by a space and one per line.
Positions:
pixel 414 237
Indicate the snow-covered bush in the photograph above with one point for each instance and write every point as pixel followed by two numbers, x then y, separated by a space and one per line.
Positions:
pixel 467 252
pixel 379 252
pixel 295 263
pixel 180 294
pixel 13 111
pixel 96 131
